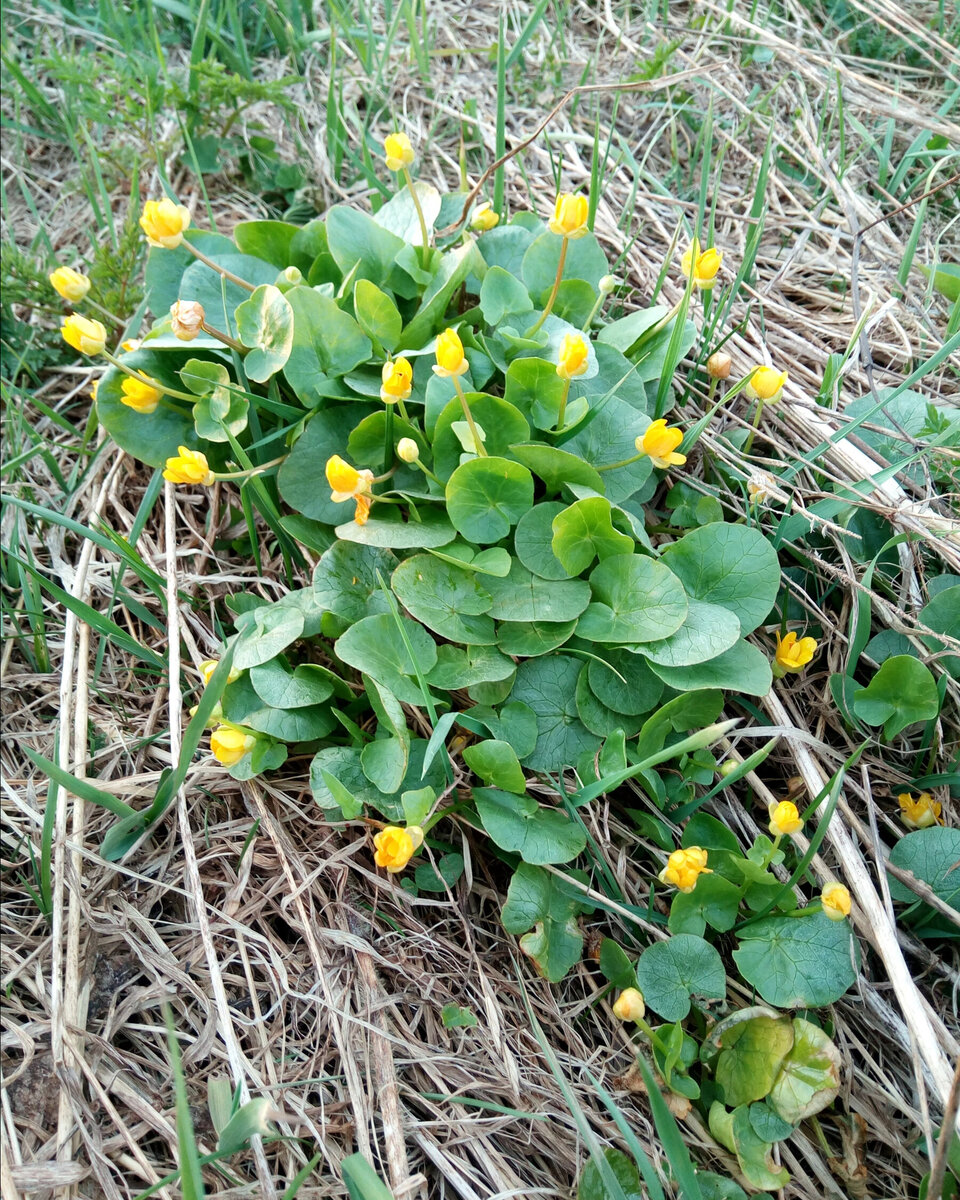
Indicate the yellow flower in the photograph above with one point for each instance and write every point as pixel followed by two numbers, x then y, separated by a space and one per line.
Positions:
pixel 570 216
pixel 94 387
pixel 450 357
pixel 684 867
pixel 398 151
pixel 835 901
pixel 718 365
pixel 784 819
pixel 407 450
pixel 396 846
pixel 186 319
pixel 164 222
pixel 704 265
pixel 69 284
pixel 920 813
pixel 209 665
pixel 362 512
pixel 484 217
pixel 189 466
pixel 660 442
pixel 130 345
pixel 89 337
pixel 793 655
pixel 229 745
pixel 346 482
pixel 629 1005
pixel 766 384
pixel 572 359
pixel 139 395
pixel 396 381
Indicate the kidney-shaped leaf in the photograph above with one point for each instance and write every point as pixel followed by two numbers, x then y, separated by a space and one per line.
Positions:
pixel 798 963
pixel 265 326
pixel 486 496
pixel 548 907
pixel 670 972
pixel 636 599
pixel 901 693
pixel 520 825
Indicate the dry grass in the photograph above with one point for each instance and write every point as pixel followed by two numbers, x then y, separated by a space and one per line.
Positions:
pixel 294 968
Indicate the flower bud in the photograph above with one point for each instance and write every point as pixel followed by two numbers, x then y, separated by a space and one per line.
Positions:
pixel 718 365
pixel 629 1005
pixel 835 901
pixel 484 217
pixel 408 450
pixel 189 466
pixel 89 337
pixel 186 319
pixel 230 745
pixel 785 819
pixel 727 768
pixel 607 284
pixel 69 284
pixel 164 223
pixel 398 152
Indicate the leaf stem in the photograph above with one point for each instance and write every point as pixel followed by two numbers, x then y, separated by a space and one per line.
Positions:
pixel 556 287
pixel 216 267
pixel 145 379
pixel 480 448
pixel 562 411
pixel 424 236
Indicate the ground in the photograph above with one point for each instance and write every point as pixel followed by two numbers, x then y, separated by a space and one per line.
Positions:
pixel 822 141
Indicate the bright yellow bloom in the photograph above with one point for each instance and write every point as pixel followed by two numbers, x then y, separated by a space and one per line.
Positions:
pixel 484 217
pixel 69 284
pixel 229 745
pixel 164 222
pixel 684 868
pixel 570 216
pixel 660 442
pixel 396 381
pixel 450 357
pixel 793 655
pixel 784 819
pixel 766 384
pixel 89 337
pixel 190 466
pixel 139 395
pixel 186 319
pixel 835 901
pixel 396 846
pixel 920 813
pixel 209 665
pixel 718 365
pixel 572 359
pixel 398 151
pixel 407 450
pixel 629 1005
pixel 704 265
pixel 346 482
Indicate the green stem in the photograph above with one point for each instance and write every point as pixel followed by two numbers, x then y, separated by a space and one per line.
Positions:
pixel 425 241
pixel 624 462
pixel 428 472
pixel 216 267
pixel 104 311
pixel 403 409
pixel 562 411
pixel 223 337
pixel 481 451
pixel 593 312
pixel 154 383
pixel 556 287
pixel 250 471
pixel 755 425
pixel 388 437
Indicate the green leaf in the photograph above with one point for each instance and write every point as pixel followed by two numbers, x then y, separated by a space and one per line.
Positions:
pixel 556 467
pixel 615 965
pixel 207 287
pixel 279 687
pixel 593 1187
pixel 669 973
pixel 742 668
pixel 903 692
pixel 337 780
pixel 377 314
pixel 300 478
pixel 455 1017
pixel 432 530
pixel 946 279
pixel 266 633
pixel 798 962
pixel 521 596
pixel 540 901
pixel 269 240
pixel 519 824
pixel 729 565
pixel 707 631
pixel 533 385
pixel 363 1183
pixel 502 424
pixel 596 716
pixel 515 724
pixel 497 765
pixel 495 561
pixel 486 496
pixel 447 872
pixel 265 326
pixel 243 706
pixel 221 410
pixel 345 580
pixel 624 333
pixel 150 437
pixel 466 667
pixel 385 761
pixel 609 436
pixel 715 901
pixel 532 541
pixel 943 614
pixel 623 682
pixel 809 1078
pixel 691 711
pixel 584 260
pixel 449 601
pixel 500 294
pixel 754 1154
pixel 752 1055
pixel 548 686
pixel 375 646
pixel 585 531
pixel 932 855
pixel 455 266
pixel 399 214
pixel 356 240
pixel 636 599
pixel 527 639
pixel 767 1124
pixel 327 342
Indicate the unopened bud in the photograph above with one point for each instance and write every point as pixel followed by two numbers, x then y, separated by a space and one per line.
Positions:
pixel 629 1005
pixel 728 767
pixel 289 277
pixel 718 365
pixel 408 450
pixel 607 284
pixel 186 319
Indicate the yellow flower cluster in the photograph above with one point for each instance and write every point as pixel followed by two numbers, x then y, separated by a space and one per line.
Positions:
pixel 684 868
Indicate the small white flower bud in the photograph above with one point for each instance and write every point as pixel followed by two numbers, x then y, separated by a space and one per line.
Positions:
pixel 408 450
